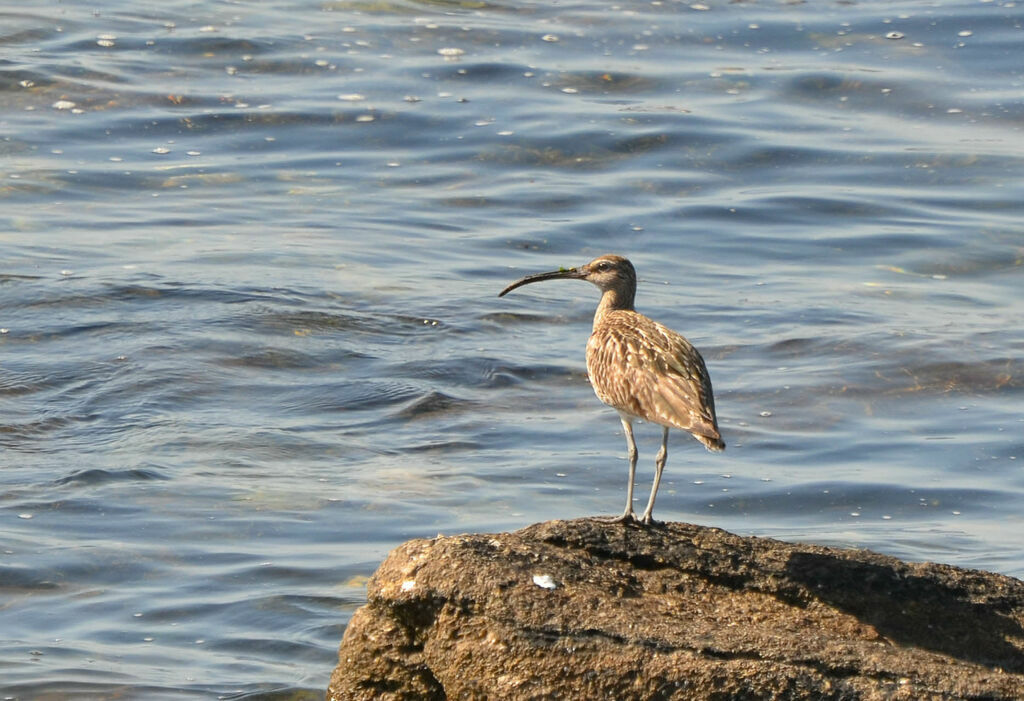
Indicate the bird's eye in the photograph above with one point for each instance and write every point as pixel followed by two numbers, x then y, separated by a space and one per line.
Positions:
pixel 604 266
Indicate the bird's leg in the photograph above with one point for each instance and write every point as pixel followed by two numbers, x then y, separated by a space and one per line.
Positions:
pixel 628 514
pixel 659 465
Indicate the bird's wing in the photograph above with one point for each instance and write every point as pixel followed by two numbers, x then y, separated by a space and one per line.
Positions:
pixel 650 371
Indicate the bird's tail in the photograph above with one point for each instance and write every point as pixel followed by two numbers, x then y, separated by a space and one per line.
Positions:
pixel 715 444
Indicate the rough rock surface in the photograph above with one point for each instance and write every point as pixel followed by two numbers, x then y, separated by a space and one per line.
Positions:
pixel 675 612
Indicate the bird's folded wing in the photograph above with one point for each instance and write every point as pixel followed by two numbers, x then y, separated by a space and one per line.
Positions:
pixel 655 374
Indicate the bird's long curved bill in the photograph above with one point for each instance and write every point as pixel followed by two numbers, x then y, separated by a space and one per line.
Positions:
pixel 570 274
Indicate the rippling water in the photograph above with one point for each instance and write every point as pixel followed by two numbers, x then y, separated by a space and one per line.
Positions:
pixel 250 338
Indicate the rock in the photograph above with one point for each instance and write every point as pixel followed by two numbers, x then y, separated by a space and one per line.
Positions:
pixel 587 610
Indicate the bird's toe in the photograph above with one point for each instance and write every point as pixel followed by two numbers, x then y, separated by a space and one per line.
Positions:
pixel 628 517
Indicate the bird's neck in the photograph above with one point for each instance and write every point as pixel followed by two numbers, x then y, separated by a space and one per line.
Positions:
pixel 614 300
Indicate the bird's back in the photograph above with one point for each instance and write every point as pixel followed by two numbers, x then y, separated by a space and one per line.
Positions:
pixel 646 370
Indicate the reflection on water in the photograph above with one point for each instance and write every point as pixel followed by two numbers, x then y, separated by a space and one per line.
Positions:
pixel 250 338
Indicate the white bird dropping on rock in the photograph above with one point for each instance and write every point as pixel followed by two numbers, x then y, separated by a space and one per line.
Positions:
pixel 544 581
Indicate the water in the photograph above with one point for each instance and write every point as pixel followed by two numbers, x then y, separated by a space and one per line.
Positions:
pixel 251 339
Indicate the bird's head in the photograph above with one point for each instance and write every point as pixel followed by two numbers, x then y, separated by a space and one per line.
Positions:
pixel 608 272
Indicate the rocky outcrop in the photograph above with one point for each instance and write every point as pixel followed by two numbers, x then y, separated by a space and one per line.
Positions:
pixel 586 610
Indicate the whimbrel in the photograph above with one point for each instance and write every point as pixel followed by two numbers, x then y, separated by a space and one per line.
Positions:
pixel 640 368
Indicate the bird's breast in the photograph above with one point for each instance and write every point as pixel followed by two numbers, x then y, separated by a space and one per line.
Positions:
pixel 609 359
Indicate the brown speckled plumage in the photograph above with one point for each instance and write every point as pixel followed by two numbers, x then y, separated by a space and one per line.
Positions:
pixel 641 368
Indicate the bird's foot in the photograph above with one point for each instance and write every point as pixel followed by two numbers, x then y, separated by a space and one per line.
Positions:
pixel 627 517
pixel 647 519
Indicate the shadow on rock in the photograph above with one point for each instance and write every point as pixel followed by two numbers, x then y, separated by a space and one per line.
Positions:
pixel 958 614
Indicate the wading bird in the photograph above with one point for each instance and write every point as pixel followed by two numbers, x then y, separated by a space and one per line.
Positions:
pixel 640 368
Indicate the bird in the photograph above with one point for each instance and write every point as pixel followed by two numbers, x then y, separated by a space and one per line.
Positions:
pixel 640 368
